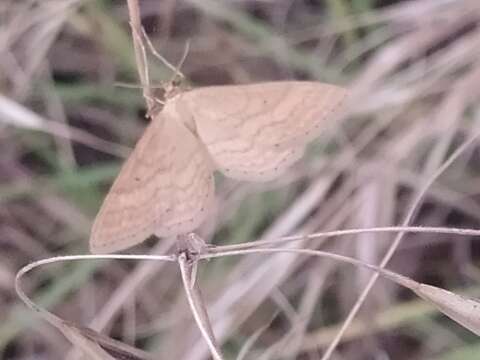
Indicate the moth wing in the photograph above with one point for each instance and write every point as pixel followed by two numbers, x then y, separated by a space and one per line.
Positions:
pixel 192 191
pixel 255 132
pixel 164 188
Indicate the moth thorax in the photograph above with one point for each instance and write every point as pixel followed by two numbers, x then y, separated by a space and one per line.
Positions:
pixel 177 110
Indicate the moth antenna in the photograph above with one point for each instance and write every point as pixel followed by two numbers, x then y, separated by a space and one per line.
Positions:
pixel 181 62
pixel 156 53
pixel 172 83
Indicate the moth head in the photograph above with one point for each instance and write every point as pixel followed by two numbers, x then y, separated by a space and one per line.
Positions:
pixel 165 92
pixel 176 85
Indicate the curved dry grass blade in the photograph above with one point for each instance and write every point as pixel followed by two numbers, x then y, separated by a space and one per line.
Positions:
pixel 86 345
pixel 139 48
pixel 463 310
pixel 92 343
pixel 115 349
pixel 197 306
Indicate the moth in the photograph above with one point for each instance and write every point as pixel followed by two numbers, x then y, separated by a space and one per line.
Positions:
pixel 247 132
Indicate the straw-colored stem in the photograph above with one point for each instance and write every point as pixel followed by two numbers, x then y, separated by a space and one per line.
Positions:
pixel 197 306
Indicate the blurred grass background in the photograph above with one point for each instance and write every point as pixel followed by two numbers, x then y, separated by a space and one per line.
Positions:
pixel 414 74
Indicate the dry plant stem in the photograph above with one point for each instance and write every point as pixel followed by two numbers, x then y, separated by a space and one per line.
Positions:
pixel 143 272
pixel 108 348
pixel 93 344
pixel 185 267
pixel 29 267
pixel 259 281
pixel 193 294
pixel 463 310
pixel 387 229
pixel 196 305
pixel 140 56
pixel 21 294
pixel 320 253
pixel 398 239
